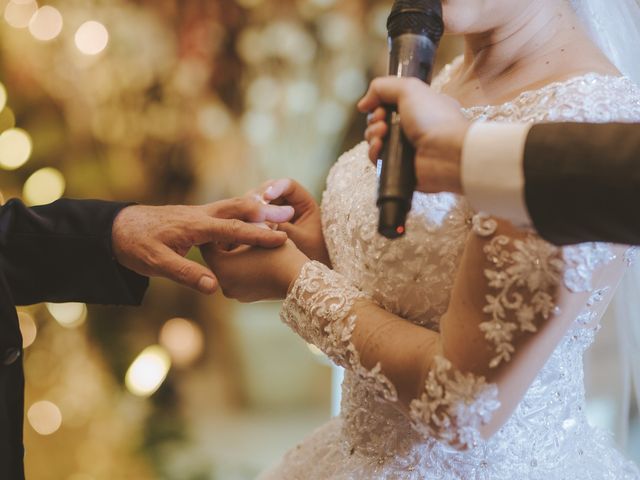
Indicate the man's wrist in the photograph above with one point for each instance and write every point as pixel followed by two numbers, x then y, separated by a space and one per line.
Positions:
pixel 115 235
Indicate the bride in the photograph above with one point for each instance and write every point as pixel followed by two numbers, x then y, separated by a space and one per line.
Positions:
pixel 462 341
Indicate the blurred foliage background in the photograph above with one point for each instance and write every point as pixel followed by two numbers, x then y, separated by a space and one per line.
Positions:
pixel 175 101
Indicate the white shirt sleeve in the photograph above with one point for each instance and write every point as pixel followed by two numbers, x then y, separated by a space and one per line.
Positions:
pixel 492 170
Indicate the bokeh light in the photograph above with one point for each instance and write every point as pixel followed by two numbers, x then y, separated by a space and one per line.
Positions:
pixel 3 96
pixel 69 315
pixel 44 186
pixel 214 121
pixel 336 30
pixel 183 339
pixel 250 45
pixel 263 93
pixel 301 97
pixel 44 417
pixel 288 40
pixel 331 117
pixel 18 14
pixel 46 23
pixel 148 371
pixel 258 127
pixel 349 85
pixel 28 328
pixel 91 38
pixel 15 148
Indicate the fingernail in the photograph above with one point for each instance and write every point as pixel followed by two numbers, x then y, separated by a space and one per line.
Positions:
pixel 206 285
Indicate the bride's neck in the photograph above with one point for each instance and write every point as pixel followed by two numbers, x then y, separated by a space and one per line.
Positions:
pixel 530 34
pixel 544 42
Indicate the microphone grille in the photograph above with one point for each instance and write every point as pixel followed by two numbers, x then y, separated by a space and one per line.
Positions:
pixel 418 17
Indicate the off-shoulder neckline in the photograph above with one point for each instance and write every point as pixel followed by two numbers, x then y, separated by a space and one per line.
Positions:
pixel 527 94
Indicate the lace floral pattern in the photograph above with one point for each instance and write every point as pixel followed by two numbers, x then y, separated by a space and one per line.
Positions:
pixel 453 406
pixel 582 261
pixel 548 436
pixel 318 308
pixel 524 276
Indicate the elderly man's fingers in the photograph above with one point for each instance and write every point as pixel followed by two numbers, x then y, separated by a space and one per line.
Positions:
pixel 185 272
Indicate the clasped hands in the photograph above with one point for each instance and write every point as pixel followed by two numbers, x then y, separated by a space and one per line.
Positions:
pixel 254 262
pixel 250 274
pixel 254 246
pixel 432 122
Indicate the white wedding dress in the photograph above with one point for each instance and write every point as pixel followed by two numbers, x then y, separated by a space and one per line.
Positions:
pixel 548 436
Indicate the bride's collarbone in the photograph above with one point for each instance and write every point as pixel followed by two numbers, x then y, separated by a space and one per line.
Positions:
pixel 472 91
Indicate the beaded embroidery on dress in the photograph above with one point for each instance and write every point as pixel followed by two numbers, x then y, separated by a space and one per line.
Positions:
pixel 548 436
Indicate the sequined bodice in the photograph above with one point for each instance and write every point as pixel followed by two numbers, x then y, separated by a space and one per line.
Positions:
pixel 413 278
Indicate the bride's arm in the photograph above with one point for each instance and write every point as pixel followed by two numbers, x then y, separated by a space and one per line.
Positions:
pixel 513 300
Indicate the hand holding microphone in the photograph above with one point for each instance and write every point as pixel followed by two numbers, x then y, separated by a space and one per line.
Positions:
pixel 433 124
pixel 415 28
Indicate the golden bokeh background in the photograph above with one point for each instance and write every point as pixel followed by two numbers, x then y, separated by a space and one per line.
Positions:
pixel 175 101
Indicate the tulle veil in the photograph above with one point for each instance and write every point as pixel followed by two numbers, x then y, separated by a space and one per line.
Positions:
pixel 614 25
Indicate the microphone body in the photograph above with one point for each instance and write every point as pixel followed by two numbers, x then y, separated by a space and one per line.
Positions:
pixel 412 53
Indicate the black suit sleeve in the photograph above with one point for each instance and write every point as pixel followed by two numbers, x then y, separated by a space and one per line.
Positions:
pixel 62 253
pixel 582 182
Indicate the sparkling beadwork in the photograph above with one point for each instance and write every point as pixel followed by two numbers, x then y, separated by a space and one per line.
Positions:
pixel 437 229
pixel 523 277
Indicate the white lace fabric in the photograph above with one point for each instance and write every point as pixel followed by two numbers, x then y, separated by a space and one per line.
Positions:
pixel 318 308
pixel 548 436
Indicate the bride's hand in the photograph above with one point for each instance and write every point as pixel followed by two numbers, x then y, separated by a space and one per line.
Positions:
pixel 305 228
pixel 252 274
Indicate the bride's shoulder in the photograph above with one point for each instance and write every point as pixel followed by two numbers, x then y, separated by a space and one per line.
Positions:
pixel 594 97
pixel 591 97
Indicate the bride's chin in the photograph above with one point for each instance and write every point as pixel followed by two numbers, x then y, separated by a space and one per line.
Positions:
pixel 458 18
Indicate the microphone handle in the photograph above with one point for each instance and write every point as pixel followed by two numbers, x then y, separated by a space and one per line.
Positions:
pixel 397 169
pixel 411 56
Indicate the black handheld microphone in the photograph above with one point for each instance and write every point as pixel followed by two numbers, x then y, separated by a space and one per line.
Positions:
pixel 415 28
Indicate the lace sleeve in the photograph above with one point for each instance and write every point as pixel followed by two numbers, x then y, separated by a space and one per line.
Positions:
pixel 453 406
pixel 319 309
pixel 527 279
pixel 511 289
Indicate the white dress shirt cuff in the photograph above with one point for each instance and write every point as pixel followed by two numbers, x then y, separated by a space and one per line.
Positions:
pixel 492 170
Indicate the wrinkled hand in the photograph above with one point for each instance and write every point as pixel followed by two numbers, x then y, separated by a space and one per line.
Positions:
pixel 153 241
pixel 305 228
pixel 432 122
pixel 250 274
